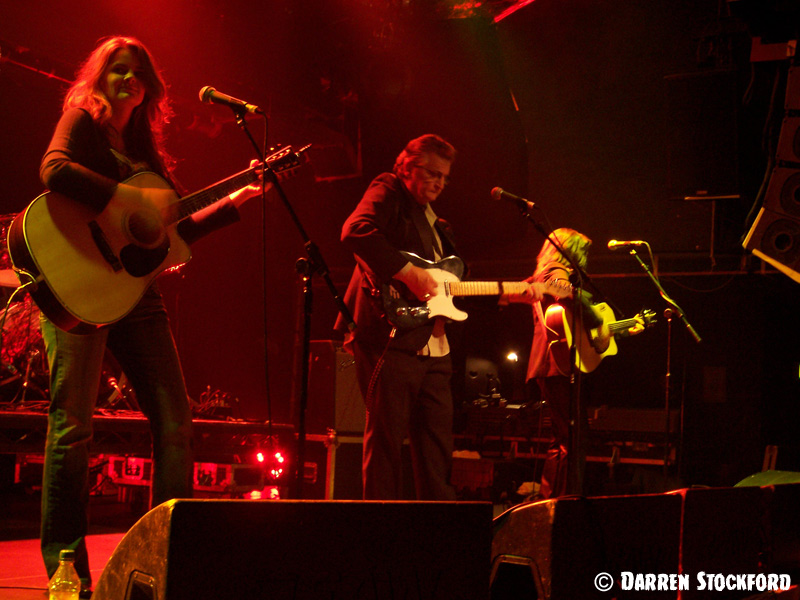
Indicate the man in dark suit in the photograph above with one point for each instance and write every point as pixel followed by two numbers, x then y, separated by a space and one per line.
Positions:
pixel 404 375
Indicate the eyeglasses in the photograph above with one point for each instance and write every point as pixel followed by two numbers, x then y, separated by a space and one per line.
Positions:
pixel 435 174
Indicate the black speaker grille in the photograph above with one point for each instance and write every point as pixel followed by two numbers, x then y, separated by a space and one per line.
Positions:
pixel 781 241
pixel 790 195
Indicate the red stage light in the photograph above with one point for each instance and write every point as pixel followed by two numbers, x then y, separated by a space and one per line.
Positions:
pixel 278 461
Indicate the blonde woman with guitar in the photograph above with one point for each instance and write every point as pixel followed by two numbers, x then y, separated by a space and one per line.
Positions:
pixel 549 366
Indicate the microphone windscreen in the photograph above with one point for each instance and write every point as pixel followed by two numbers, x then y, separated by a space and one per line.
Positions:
pixel 205 92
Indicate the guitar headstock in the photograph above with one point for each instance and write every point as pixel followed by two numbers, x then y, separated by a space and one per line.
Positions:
pixel 558 288
pixel 285 161
pixel 649 317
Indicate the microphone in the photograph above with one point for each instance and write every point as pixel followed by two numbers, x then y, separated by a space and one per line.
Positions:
pixel 501 194
pixel 209 95
pixel 614 244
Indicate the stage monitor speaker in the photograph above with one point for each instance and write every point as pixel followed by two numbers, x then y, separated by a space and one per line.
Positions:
pixel 771 477
pixel 304 550
pixel 559 546
pixel 723 532
pixel 334 399
pixel 783 528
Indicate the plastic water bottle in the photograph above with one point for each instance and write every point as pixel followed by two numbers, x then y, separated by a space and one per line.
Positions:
pixel 65 584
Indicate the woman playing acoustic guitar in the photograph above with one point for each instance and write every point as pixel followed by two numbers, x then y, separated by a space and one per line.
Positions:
pixel 111 128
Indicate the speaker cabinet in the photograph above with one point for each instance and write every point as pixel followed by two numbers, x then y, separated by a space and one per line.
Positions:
pixel 334 400
pixel 303 550
pixel 775 234
pixel 789 140
pixel 793 89
pixel 702 157
pixel 559 546
pixel 723 532
pixel 763 478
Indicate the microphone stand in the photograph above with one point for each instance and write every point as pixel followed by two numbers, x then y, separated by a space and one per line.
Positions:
pixel 672 311
pixel 307 268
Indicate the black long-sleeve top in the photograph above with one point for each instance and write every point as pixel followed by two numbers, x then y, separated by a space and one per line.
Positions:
pixel 80 164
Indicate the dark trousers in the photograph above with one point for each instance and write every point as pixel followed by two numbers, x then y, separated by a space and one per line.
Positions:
pixel 143 346
pixel 411 397
pixel 565 463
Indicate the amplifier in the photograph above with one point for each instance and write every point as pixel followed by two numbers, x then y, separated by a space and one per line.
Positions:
pixel 334 399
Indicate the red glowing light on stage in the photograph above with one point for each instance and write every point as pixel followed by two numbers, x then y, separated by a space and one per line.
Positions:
pixel 271 492
pixel 273 462
pixel 277 468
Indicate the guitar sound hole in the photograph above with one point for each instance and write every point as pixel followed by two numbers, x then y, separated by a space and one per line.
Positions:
pixel 145 229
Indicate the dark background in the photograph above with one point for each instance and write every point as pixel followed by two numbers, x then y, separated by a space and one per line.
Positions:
pixel 605 113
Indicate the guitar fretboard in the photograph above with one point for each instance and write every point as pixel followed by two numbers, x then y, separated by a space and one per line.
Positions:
pixel 279 162
pixel 484 288
pixel 199 200
pixel 618 326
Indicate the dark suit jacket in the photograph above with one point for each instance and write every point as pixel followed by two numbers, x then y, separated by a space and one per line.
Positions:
pixel 386 221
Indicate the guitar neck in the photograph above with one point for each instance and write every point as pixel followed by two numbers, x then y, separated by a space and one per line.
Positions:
pixel 280 163
pixel 485 288
pixel 617 326
pixel 192 203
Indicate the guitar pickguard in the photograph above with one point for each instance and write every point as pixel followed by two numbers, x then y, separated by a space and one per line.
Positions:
pixel 405 311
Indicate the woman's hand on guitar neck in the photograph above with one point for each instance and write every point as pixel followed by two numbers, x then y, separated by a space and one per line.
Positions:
pixel 418 281
pixel 638 328
pixel 244 194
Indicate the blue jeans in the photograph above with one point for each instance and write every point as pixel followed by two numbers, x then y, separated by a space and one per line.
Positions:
pixel 143 346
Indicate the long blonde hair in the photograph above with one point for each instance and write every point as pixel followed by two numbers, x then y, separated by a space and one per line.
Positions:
pixel 144 134
pixel 573 242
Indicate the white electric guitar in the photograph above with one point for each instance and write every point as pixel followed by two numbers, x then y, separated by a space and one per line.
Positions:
pixel 404 311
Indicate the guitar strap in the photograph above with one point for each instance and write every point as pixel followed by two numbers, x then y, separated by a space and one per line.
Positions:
pixel 437 241
pixel 544 329
pixel 540 313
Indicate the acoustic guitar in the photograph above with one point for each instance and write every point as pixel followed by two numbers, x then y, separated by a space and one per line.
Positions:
pixel 591 346
pixel 90 269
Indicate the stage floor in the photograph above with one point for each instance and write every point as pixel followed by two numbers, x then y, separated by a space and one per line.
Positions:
pixel 22 575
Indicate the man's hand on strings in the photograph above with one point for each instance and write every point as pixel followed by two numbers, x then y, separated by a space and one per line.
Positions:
pixel 418 281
